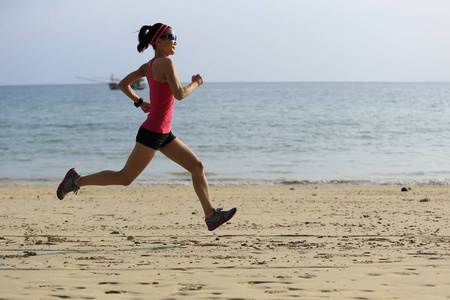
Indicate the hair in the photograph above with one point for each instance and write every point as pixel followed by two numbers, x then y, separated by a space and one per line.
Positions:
pixel 146 34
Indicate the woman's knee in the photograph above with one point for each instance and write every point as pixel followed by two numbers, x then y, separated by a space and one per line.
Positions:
pixel 197 168
pixel 125 179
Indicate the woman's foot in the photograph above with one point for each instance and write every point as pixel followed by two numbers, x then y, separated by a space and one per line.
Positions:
pixel 217 217
pixel 69 184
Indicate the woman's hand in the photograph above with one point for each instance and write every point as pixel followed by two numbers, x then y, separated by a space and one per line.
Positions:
pixel 145 106
pixel 197 78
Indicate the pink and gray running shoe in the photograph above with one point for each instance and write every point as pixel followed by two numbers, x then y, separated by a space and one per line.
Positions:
pixel 69 184
pixel 219 217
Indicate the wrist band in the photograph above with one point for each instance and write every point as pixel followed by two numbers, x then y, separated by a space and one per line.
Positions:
pixel 139 103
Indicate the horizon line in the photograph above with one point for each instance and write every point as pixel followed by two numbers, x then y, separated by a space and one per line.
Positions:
pixel 236 82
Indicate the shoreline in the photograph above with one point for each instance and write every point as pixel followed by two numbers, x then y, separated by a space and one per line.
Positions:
pixel 335 242
pixel 244 182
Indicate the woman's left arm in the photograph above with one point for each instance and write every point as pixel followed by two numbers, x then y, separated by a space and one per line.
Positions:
pixel 125 86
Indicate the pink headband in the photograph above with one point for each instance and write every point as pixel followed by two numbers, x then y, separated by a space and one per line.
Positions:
pixel 158 34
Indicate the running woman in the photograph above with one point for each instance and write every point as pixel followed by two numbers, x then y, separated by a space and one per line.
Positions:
pixel 155 133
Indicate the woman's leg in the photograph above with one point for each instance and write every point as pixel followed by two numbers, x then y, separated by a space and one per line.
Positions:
pixel 137 162
pixel 178 152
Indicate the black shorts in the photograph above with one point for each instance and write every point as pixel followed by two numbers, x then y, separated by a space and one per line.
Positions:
pixel 153 139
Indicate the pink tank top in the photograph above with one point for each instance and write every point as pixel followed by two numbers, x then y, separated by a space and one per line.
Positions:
pixel 159 118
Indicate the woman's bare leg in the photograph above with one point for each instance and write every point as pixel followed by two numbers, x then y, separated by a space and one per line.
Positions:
pixel 178 152
pixel 139 158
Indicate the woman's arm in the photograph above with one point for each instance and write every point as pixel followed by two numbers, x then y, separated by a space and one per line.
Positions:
pixel 125 85
pixel 171 76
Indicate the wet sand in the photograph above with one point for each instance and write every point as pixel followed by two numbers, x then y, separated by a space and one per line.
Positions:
pixel 310 242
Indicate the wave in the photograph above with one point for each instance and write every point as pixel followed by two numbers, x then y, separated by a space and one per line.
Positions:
pixel 239 182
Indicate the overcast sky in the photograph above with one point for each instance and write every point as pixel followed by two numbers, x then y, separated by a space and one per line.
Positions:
pixel 54 41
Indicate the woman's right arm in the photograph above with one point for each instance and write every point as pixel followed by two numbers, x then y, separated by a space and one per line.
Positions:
pixel 171 75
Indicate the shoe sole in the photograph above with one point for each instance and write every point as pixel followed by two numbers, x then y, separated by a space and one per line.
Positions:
pixel 223 220
pixel 63 182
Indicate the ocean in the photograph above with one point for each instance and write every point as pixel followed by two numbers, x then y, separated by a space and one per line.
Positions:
pixel 245 133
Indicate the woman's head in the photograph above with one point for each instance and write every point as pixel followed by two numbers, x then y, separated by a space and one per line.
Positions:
pixel 154 35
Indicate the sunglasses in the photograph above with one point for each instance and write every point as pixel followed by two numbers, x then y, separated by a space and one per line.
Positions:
pixel 172 37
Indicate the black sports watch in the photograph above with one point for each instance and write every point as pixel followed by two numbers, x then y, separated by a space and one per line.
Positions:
pixel 139 103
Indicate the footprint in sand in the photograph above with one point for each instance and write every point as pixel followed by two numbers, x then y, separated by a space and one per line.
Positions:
pixel 115 292
pixel 191 287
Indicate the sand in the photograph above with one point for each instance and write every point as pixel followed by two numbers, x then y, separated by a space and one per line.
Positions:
pixel 310 242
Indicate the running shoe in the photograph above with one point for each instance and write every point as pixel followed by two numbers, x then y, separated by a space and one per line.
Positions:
pixel 68 184
pixel 219 217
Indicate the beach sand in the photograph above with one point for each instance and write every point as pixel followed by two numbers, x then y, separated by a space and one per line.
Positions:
pixel 310 242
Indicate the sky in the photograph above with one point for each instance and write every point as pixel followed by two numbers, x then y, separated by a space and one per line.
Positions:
pixel 57 41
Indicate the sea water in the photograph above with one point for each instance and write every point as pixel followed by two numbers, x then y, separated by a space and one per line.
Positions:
pixel 245 133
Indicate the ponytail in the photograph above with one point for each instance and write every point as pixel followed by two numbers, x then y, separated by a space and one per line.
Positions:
pixel 143 38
